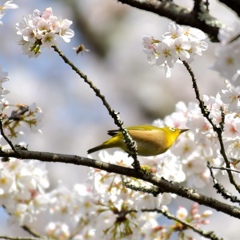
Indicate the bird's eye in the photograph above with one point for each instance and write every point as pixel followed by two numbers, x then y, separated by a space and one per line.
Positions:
pixel 172 129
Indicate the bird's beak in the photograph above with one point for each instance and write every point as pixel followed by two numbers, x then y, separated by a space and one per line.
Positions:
pixel 184 130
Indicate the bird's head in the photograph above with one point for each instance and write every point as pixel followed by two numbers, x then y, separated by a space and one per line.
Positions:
pixel 173 133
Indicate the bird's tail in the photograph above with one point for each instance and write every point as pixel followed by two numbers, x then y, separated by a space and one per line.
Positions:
pixel 97 148
pixel 110 143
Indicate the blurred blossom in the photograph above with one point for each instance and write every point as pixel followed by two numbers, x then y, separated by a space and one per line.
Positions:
pixel 232 126
pixel 3 78
pixel 227 61
pixel 22 189
pixel 231 97
pixel 58 230
pixel 207 213
pixel 182 213
pixel 228 34
pixel 227 55
pixel 6 5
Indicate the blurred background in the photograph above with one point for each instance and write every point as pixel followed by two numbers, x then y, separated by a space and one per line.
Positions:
pixel 74 118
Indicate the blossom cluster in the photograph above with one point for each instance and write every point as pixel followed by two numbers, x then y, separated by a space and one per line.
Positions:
pixel 19 119
pixel 22 186
pixel 40 30
pixel 6 5
pixel 179 43
pixel 92 214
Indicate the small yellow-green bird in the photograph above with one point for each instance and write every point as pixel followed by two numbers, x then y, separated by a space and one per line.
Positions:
pixel 150 140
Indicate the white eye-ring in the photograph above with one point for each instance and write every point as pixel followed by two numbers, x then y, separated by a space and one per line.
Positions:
pixel 172 129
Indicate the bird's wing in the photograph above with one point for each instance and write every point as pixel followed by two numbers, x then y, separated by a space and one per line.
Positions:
pixel 143 128
pixel 135 128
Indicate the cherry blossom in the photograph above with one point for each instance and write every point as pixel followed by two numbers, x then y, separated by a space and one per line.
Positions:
pixel 40 29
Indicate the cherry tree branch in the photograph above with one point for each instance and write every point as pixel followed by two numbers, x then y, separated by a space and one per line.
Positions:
pixel 161 183
pixel 200 19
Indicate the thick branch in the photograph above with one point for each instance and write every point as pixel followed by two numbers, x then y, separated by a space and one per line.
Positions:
pixel 180 15
pixel 163 184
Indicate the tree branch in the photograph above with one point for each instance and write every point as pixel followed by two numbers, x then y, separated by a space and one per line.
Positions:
pixel 219 187
pixel 180 15
pixel 5 137
pixel 19 238
pixel 209 235
pixel 164 185
pixel 30 231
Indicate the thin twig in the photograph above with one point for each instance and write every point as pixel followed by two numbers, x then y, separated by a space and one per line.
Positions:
pixel 131 144
pixel 197 6
pixel 26 228
pixel 30 231
pixel 226 169
pixel 17 114
pixel 207 5
pixel 220 189
pixel 209 235
pixel 205 112
pixel 6 138
pixel 200 7
pixel 20 238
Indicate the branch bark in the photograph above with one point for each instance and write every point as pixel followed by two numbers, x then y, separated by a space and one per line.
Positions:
pixel 201 20
pixel 162 184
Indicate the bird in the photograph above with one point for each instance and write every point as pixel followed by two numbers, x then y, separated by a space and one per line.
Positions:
pixel 151 140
